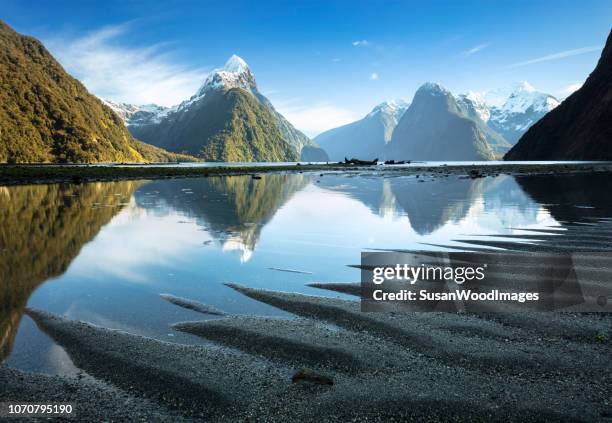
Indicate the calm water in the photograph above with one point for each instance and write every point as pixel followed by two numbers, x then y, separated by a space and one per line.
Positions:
pixel 103 252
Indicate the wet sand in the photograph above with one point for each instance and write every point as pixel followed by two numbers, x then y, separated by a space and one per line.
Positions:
pixel 416 366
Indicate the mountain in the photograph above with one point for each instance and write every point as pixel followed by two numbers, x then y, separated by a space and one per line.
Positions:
pixel 435 127
pixel 365 138
pixel 480 114
pixel 510 111
pixel 580 128
pixel 474 106
pixel 523 107
pixel 227 119
pixel 48 116
pixel 138 115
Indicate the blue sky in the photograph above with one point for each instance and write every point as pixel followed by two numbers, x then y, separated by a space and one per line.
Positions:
pixel 322 63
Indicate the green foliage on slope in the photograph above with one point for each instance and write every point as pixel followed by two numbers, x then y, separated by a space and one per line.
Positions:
pixel 226 125
pixel 249 134
pixel 48 116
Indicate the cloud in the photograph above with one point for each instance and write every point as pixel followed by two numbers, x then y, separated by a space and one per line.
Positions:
pixel 316 118
pixel 475 49
pixel 374 76
pixel 556 56
pixel 113 71
pixel 336 60
pixel 361 43
pixel 569 89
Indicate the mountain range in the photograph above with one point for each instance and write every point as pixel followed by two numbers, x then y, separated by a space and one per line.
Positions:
pixel 227 119
pixel 366 137
pixel 48 116
pixel 581 127
pixel 499 117
pixel 511 111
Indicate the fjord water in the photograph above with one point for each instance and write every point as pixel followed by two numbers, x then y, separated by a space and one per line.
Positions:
pixel 104 252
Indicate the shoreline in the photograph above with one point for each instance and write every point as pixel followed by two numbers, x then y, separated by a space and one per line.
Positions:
pixel 77 173
pixel 412 366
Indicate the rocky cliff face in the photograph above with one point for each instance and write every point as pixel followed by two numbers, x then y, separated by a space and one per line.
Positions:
pixel 436 128
pixel 580 128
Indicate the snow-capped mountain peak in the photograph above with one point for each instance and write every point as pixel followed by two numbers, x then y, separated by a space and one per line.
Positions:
pixel 134 115
pixel 390 107
pixel 235 74
pixel 497 97
pixel 475 104
pixel 433 88
pixel 236 64
pixel 514 109
pixel 521 99
pixel 523 86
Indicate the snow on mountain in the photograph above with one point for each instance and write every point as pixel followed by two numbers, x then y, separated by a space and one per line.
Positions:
pixel 393 108
pixel 389 114
pixel 524 96
pixel 475 105
pixel 523 107
pixel 133 115
pixel 509 110
pixel 497 97
pixel 234 74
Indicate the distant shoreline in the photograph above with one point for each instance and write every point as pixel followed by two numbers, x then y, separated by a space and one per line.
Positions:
pixel 77 173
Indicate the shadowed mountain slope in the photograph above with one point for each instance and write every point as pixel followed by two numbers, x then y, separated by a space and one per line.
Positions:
pixel 580 128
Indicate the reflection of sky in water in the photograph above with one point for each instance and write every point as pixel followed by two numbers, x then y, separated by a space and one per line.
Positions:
pixel 188 237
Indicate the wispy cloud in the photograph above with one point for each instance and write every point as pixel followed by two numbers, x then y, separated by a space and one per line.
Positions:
pixel 361 43
pixel 475 49
pixel 556 56
pixel 336 60
pixel 138 75
pixel 374 76
pixel 314 118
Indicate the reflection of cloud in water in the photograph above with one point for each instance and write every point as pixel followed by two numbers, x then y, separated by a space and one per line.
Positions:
pixel 237 244
pixel 137 239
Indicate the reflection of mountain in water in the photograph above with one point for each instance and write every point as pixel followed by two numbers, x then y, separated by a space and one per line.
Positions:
pixel 432 204
pixel 235 208
pixel 571 198
pixel 373 192
pixel 42 229
pixel 503 204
